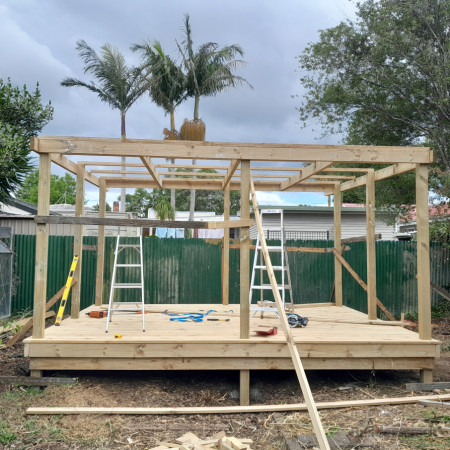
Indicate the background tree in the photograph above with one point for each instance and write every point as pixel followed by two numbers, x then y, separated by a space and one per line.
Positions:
pixel 139 202
pixel 97 207
pixel 62 189
pixel 22 115
pixel 166 86
pixel 209 70
pixel 383 79
pixel 116 83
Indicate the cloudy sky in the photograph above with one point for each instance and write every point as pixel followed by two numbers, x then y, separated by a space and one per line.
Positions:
pixel 38 39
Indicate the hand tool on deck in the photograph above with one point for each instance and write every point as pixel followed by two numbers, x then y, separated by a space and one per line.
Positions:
pixel 296 320
pixel 97 314
pixel 217 319
pixel 265 331
pixel 65 296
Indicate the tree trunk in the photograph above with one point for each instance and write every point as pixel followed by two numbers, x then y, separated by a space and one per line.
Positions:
pixel 172 161
pixel 196 106
pixel 123 133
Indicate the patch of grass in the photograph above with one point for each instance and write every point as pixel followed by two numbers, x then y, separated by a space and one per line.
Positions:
pixel 6 436
pixel 424 441
pixel 21 392
pixel 333 431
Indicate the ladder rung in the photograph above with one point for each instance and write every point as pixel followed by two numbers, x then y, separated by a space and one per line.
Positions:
pixel 129 245
pixel 273 267
pixel 128 265
pixel 127 285
pixel 272 229
pixel 272 248
pixel 268 286
pixel 263 308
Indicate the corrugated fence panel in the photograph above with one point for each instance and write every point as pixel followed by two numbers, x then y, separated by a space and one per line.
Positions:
pixel 189 271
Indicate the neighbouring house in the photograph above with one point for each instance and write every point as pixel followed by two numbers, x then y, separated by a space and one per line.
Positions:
pixel 19 217
pixel 317 223
pixel 407 225
pixel 199 216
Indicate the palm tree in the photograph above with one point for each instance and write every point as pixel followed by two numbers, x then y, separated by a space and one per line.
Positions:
pixel 166 85
pixel 210 70
pixel 164 211
pixel 115 83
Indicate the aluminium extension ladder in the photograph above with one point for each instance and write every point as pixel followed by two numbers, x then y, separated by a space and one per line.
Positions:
pixel 114 307
pixel 285 285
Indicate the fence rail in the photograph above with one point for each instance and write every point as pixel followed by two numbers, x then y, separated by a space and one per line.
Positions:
pixel 189 271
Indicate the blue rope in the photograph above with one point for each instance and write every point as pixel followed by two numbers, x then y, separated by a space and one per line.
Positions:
pixel 194 317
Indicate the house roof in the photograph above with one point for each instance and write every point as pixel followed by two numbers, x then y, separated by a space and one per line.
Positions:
pixel 319 209
pixel 24 206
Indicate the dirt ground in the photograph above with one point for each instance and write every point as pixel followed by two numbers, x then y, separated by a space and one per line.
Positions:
pixel 268 431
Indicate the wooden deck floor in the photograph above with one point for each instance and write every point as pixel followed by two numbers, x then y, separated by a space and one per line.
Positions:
pixel 335 338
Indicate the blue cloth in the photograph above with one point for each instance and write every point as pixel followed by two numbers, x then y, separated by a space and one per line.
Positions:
pixel 170 232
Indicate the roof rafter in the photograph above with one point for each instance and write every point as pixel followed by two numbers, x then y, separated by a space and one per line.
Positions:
pixel 231 169
pixel 148 163
pixel 387 172
pixel 305 173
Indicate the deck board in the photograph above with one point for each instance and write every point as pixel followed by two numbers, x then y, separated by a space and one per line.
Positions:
pixel 328 341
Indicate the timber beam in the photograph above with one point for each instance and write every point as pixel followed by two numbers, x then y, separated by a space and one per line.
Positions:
pixel 148 163
pixel 305 173
pixel 212 184
pixel 231 169
pixel 381 174
pixel 71 167
pixel 141 222
pixel 70 145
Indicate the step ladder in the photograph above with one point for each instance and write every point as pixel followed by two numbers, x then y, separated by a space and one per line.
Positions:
pixel 285 284
pixel 115 307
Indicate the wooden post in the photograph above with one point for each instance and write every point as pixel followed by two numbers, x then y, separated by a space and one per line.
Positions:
pixel 337 245
pixel 245 276
pixel 100 244
pixel 42 232
pixel 370 246
pixel 78 243
pixel 226 248
pixel 423 252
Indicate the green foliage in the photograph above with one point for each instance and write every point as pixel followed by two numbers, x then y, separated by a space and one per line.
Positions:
pixel 440 231
pixel 97 207
pixel 166 80
pixel 205 200
pixel 163 209
pixel 383 79
pixel 115 83
pixel 6 437
pixel 62 188
pixel 22 115
pixel 209 69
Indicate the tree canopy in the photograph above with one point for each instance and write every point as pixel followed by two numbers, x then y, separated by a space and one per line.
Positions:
pixel 62 188
pixel 384 79
pixel 22 115
pixel 142 200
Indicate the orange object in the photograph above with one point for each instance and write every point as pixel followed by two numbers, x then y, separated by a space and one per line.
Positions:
pixel 267 332
pixel 97 314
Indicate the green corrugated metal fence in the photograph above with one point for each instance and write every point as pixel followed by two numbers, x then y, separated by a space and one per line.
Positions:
pixel 189 271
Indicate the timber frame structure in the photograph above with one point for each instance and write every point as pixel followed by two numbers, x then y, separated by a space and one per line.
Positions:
pixel 337 337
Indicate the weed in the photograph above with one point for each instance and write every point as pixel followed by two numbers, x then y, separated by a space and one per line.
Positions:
pixel 332 431
pixel 6 436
